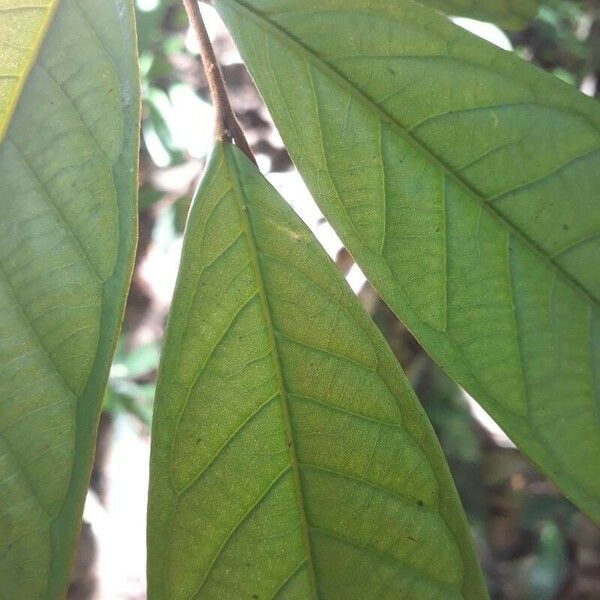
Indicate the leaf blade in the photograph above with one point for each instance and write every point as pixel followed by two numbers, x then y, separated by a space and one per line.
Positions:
pixel 279 403
pixel 69 155
pixel 455 132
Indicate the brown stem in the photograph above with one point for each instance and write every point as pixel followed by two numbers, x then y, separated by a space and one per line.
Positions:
pixel 227 126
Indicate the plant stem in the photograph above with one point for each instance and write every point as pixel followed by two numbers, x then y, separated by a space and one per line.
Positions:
pixel 227 127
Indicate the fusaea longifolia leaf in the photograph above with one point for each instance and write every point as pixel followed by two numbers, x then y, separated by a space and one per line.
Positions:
pixel 290 457
pixel 68 157
pixel 510 14
pixel 465 182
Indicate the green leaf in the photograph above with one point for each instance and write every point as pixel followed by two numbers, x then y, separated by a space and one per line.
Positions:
pixel 510 14
pixel 68 158
pixel 465 183
pixel 290 457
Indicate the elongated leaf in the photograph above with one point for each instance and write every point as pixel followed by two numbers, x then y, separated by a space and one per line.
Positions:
pixel 511 14
pixel 290 457
pixel 68 156
pixel 465 183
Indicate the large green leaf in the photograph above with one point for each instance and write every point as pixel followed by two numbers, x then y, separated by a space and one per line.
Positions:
pixel 466 184
pixel 511 14
pixel 68 158
pixel 290 457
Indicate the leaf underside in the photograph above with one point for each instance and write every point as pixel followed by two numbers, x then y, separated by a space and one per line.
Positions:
pixel 465 184
pixel 510 14
pixel 68 157
pixel 290 457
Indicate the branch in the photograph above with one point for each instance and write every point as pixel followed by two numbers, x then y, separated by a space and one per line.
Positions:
pixel 227 127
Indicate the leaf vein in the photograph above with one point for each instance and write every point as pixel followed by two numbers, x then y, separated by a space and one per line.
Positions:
pixel 245 517
pixel 284 401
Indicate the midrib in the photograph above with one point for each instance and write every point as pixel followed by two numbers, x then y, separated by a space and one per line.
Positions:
pixel 242 207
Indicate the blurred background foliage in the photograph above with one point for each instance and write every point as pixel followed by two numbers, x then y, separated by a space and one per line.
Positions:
pixel 532 543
